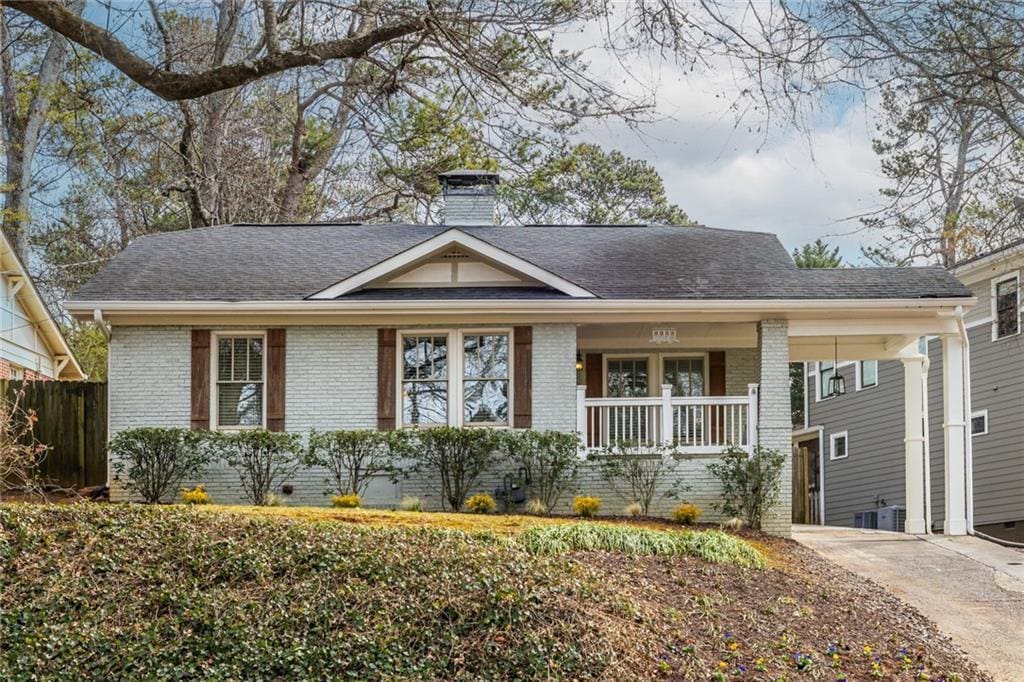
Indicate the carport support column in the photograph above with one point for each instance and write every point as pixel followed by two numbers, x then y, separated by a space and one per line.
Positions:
pixel 955 429
pixel 913 442
pixel 774 416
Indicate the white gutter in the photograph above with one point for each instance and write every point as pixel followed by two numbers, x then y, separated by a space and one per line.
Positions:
pixel 305 306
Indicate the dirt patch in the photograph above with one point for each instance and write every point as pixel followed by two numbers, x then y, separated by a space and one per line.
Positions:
pixel 803 615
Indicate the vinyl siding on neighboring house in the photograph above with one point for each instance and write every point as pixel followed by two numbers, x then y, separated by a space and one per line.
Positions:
pixel 874 419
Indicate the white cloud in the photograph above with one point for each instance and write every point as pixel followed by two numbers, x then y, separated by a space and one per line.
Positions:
pixel 800 186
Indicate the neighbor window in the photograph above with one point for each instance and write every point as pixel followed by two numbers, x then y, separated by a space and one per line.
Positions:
pixel 485 361
pixel 1006 300
pixel 826 370
pixel 685 375
pixel 979 423
pixel 868 373
pixel 425 380
pixel 839 443
pixel 239 375
pixel 627 378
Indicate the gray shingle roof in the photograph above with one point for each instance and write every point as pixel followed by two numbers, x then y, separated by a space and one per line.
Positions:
pixel 292 262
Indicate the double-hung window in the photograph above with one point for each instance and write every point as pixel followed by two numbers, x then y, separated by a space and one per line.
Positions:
pixel 867 374
pixel 239 373
pixel 1006 307
pixel 485 363
pixel 685 375
pixel 425 379
pixel 826 370
pixel 455 378
pixel 838 445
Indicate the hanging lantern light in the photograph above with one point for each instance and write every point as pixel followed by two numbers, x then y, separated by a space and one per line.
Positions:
pixel 836 383
pixel 579 361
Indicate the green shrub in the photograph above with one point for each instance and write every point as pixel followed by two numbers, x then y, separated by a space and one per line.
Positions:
pixel 196 495
pixel 262 459
pixel 586 506
pixel 152 462
pixel 350 501
pixel 481 503
pixel 549 459
pixel 454 458
pixel 751 483
pixel 640 474
pixel 410 504
pixel 354 457
pixel 712 546
pixel 633 509
pixel 686 514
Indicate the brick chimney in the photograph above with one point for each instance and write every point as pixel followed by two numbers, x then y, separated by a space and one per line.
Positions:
pixel 468 196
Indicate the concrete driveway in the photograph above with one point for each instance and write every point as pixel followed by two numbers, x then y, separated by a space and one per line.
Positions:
pixel 972 589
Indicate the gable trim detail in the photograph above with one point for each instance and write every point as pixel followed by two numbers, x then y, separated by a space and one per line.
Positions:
pixel 433 245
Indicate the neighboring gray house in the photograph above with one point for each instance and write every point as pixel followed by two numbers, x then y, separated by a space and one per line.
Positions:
pixel 860 435
pixel 679 335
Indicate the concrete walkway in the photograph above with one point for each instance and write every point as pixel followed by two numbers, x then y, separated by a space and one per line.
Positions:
pixel 972 589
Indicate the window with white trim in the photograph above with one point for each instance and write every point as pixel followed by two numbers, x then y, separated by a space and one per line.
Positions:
pixel 838 445
pixel 826 370
pixel 425 379
pixel 485 365
pixel 867 373
pixel 979 422
pixel 456 377
pixel 1005 307
pixel 685 375
pixel 628 378
pixel 239 373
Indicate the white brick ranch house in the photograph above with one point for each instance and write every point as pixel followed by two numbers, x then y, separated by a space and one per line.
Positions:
pixel 656 333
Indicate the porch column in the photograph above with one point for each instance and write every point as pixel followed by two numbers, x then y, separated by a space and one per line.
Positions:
pixel 954 435
pixel 774 415
pixel 913 442
pixel 581 413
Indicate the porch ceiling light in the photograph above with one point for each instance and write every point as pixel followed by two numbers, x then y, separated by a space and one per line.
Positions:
pixel 579 361
pixel 836 382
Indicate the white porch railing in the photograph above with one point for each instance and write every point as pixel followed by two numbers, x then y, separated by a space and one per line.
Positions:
pixel 705 424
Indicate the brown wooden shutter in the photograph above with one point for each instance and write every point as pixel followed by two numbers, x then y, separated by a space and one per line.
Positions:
pixel 716 386
pixel 275 379
pixel 594 377
pixel 716 372
pixel 522 386
pixel 386 342
pixel 200 378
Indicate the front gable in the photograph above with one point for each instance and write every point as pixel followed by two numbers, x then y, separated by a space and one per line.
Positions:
pixel 452 259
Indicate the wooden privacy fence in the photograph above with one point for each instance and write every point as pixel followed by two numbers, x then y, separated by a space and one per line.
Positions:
pixel 73 423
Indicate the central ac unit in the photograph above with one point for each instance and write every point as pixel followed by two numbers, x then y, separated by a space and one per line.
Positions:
pixel 866 519
pixel 892 518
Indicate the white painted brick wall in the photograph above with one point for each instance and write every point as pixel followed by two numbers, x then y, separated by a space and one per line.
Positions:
pixel 774 417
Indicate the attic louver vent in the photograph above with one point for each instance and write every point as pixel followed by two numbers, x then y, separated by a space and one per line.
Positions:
pixel 455 254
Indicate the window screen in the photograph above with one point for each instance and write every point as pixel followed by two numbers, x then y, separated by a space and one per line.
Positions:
pixel 240 381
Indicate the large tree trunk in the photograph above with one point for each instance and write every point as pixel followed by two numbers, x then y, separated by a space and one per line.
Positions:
pixel 22 129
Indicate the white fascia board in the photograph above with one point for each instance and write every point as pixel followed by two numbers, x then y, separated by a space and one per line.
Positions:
pixel 934 306
pixel 443 241
pixel 978 270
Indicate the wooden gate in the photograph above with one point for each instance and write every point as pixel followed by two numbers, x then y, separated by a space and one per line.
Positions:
pixel 73 424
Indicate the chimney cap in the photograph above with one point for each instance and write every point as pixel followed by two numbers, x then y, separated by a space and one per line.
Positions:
pixel 468 177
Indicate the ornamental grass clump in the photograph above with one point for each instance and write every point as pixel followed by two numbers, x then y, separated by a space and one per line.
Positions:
pixel 585 506
pixel 481 503
pixel 712 546
pixel 350 501
pixel 410 504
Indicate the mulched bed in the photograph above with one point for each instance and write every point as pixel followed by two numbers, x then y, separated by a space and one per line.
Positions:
pixel 803 618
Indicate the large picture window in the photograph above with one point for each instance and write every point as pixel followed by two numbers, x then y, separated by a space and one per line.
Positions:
pixel 239 373
pixel 485 363
pixel 1006 300
pixel 425 380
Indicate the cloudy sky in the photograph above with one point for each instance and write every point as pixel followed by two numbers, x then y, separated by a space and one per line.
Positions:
pixel 796 185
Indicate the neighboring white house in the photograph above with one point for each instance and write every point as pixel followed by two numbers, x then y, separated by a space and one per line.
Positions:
pixel 32 345
pixel 651 333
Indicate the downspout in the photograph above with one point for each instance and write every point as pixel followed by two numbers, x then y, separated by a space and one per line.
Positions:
pixel 927 450
pixel 97 317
